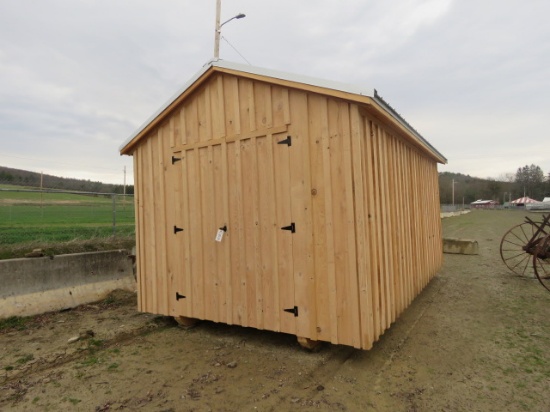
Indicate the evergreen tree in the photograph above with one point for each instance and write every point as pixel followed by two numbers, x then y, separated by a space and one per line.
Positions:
pixel 530 181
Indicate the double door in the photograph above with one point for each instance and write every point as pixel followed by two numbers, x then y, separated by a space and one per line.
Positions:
pixel 238 219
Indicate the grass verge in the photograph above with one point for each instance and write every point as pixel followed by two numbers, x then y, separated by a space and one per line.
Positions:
pixel 94 244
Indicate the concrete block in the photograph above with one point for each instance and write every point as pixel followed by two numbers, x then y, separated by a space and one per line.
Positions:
pixel 460 246
pixel 36 285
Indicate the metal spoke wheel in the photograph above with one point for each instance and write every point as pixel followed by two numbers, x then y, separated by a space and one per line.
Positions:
pixel 513 252
pixel 541 262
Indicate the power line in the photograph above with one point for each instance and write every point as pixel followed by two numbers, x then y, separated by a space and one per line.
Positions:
pixel 233 47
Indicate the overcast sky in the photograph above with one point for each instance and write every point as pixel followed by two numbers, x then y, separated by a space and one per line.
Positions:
pixel 78 77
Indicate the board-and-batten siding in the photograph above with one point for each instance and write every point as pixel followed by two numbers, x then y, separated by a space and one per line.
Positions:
pixel 364 202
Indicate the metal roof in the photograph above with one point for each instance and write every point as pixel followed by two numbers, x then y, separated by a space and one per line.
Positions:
pixel 482 202
pixel 291 77
pixel 296 78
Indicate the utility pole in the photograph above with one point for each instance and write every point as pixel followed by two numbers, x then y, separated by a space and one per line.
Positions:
pixel 41 192
pixel 218 33
pixel 453 192
pixel 124 190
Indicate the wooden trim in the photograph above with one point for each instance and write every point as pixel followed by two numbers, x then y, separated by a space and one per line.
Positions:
pixel 300 194
pixel 373 226
pixel 162 138
pixel 230 139
pixel 299 86
pixel 350 226
pixel 362 236
pixel 128 148
pixel 140 245
pixel 150 220
pixel 322 211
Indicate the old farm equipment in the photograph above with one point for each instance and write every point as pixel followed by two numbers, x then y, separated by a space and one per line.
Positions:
pixel 525 249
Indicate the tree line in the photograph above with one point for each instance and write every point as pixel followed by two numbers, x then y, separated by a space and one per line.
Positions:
pixel 35 180
pixel 528 180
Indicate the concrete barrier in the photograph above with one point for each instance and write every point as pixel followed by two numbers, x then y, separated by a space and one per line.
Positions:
pixel 451 214
pixel 460 246
pixel 30 286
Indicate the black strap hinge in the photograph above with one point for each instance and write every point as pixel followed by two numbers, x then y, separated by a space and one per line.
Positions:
pixel 175 159
pixel 292 310
pixel 287 141
pixel 291 227
pixel 178 296
pixel 177 229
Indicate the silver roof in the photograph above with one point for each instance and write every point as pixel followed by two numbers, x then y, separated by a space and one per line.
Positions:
pixel 297 78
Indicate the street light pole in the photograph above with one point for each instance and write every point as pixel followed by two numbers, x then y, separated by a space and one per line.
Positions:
pixel 217 28
pixel 453 192
pixel 217 35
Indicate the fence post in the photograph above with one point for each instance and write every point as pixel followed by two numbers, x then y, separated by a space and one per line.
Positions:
pixel 114 214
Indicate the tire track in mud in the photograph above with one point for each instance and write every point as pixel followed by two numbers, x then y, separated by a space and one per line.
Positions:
pixel 308 390
pixel 56 360
pixel 403 341
pixel 318 380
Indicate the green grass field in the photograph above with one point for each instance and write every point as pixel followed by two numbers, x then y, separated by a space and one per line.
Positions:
pixel 32 218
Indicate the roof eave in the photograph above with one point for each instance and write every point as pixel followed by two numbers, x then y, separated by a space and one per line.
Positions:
pixel 411 130
pixel 159 115
pixel 336 89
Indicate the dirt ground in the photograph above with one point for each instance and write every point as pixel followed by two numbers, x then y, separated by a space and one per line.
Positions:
pixel 476 339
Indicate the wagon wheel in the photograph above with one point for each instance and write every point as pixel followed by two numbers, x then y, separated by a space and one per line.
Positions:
pixel 541 262
pixel 512 249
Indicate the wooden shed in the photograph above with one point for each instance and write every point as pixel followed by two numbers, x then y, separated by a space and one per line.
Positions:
pixel 286 203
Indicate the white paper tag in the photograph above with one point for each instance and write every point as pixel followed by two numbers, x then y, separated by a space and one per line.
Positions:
pixel 219 235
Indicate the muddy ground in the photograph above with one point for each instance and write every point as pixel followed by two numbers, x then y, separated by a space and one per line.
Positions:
pixel 476 339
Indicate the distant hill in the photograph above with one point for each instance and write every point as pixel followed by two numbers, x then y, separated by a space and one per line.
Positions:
pixel 469 189
pixel 32 180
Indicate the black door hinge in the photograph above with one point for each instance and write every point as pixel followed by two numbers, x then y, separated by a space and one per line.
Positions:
pixel 175 159
pixel 287 141
pixel 292 228
pixel 292 310
pixel 177 229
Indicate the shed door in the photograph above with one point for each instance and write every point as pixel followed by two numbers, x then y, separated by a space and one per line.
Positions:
pixel 197 263
pixel 242 187
pixel 261 251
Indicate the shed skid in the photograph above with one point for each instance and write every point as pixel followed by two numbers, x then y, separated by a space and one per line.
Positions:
pixel 284 206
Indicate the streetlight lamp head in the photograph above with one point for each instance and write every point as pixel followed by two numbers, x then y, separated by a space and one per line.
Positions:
pixel 219 28
pixel 238 16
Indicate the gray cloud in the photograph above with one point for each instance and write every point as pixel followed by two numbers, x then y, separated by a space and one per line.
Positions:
pixel 76 78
